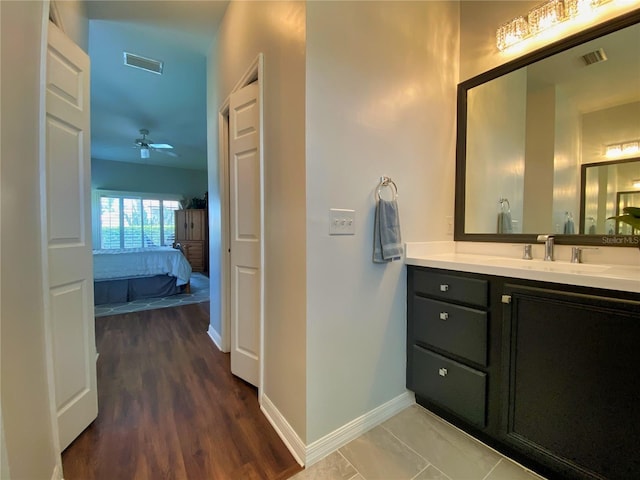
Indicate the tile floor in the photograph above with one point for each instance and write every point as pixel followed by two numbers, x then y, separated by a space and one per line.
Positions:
pixel 415 445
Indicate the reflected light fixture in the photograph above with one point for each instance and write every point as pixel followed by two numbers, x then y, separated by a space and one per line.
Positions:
pixel 635 183
pixel 543 17
pixel 144 152
pixel 623 149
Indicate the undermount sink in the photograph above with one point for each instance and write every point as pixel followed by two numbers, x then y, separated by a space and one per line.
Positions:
pixel 561 267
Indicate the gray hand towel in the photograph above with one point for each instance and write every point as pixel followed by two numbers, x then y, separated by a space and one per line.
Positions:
pixel 387 244
pixel 504 223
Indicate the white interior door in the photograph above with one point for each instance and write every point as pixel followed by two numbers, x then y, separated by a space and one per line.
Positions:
pixel 245 231
pixel 67 237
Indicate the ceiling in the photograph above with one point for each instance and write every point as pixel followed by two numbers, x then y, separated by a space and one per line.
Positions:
pixel 598 86
pixel 172 106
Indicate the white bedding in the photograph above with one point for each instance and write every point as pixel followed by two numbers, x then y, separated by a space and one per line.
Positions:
pixel 141 262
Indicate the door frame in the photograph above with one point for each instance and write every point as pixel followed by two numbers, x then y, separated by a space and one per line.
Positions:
pixel 255 73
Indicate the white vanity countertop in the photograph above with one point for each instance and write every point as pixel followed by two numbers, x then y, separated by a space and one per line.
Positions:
pixel 623 277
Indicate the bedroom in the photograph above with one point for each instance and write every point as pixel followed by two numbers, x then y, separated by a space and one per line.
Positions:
pixel 148 159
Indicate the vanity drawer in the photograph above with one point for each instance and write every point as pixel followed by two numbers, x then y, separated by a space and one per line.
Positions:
pixel 454 386
pixel 454 328
pixel 473 291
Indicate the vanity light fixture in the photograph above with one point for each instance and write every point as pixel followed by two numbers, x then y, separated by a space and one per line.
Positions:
pixel 543 17
pixel 624 149
pixel 631 148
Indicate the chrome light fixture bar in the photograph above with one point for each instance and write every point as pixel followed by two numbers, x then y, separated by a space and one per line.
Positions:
pixel 541 18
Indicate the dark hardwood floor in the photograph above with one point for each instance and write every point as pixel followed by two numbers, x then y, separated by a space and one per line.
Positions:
pixel 170 408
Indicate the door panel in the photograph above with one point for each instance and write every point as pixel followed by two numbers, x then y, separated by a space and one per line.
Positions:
pixel 247 190
pixel 246 331
pixel 68 236
pixel 246 234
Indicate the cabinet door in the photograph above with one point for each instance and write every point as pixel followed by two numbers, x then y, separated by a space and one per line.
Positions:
pixel 572 382
pixel 196 224
pixel 181 225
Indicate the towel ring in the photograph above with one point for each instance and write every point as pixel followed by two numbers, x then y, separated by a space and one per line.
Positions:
pixel 502 201
pixel 388 183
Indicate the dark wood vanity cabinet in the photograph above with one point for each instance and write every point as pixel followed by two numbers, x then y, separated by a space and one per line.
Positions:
pixel 557 385
pixel 447 342
pixel 571 382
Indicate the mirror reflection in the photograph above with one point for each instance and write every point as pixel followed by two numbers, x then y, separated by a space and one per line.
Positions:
pixel 530 132
pixel 606 189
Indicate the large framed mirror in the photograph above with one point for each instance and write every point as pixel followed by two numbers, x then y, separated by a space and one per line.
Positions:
pixel 531 131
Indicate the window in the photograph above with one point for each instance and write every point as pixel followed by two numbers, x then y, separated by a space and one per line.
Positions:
pixel 128 220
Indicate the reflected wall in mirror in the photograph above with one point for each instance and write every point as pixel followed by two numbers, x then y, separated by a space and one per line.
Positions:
pixel 527 129
pixel 607 188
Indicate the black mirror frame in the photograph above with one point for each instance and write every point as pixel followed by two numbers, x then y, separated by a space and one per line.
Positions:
pixel 459 235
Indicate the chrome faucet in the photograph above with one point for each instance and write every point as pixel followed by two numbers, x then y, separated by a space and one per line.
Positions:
pixel 548 246
pixel 576 253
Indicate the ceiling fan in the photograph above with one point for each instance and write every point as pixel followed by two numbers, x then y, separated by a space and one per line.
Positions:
pixel 146 144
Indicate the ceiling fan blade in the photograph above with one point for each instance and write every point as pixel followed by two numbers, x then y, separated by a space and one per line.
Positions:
pixel 160 145
pixel 165 152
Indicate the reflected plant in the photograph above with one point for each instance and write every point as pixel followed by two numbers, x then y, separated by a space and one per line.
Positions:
pixel 630 216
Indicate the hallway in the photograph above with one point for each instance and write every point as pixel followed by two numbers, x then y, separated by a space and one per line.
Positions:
pixel 170 408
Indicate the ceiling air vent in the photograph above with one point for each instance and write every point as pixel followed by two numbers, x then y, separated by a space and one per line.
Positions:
pixel 596 56
pixel 143 63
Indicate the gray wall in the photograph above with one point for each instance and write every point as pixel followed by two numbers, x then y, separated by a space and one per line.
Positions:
pixel 131 177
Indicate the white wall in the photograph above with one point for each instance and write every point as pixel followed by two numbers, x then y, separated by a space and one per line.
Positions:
pixel 566 167
pixel 540 121
pixel 133 177
pixel 610 125
pixel 380 99
pixel 276 29
pixel 213 179
pixel 25 396
pixel 73 14
pixel 495 163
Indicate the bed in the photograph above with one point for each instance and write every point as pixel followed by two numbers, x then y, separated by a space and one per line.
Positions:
pixel 124 275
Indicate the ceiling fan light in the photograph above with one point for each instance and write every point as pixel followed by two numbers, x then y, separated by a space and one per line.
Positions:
pixel 144 152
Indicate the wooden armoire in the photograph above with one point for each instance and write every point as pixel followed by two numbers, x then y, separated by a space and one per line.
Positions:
pixel 192 234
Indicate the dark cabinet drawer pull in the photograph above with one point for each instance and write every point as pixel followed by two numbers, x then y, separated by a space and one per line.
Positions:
pixel 442 372
pixel 444 287
pixel 444 316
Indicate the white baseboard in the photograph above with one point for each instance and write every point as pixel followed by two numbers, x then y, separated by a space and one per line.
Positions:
pixel 288 435
pixel 350 431
pixel 215 337
pixel 57 473
pixel 307 455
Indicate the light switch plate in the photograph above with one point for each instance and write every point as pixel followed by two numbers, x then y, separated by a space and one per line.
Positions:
pixel 342 221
